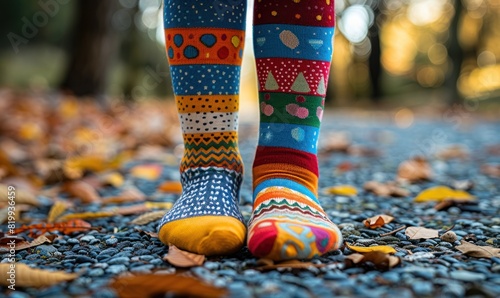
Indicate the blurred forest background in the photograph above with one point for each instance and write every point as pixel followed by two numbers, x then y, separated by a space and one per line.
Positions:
pixel 387 52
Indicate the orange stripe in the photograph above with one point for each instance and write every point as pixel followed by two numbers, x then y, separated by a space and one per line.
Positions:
pixel 226 49
pixel 285 171
pixel 207 103
pixel 281 193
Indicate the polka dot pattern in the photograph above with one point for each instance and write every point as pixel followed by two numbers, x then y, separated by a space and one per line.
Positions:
pixel 205 14
pixel 205 79
pixel 208 122
pixel 319 13
pixel 298 137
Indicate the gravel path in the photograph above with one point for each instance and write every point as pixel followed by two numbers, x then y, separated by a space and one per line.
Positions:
pixel 429 268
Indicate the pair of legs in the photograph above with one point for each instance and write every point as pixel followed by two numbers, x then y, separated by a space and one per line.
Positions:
pixel 293 49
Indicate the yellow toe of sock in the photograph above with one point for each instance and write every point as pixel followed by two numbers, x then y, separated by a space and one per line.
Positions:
pixel 205 235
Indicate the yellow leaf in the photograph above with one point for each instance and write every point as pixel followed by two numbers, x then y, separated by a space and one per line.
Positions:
pixel 421 233
pixel 86 215
pixel 158 205
pixel 441 193
pixel 171 187
pixel 342 190
pixel 30 131
pixel 148 217
pixel 152 285
pixel 114 179
pixel 377 221
pixel 32 277
pixel 180 258
pixel 380 248
pixel 56 210
pixel 75 166
pixel 478 251
pixel 147 171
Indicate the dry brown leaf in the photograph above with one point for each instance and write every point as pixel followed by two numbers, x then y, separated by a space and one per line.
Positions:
pixel 493 149
pixel 148 217
pixel 25 244
pixel 32 277
pixel 82 190
pixel 171 187
pixel 478 251
pixel 381 260
pixel 152 285
pixel 452 152
pixel 147 171
pixel 21 196
pixel 181 258
pixel 68 227
pixel 56 210
pixel 414 170
pixel 379 248
pixel 421 233
pixel 441 193
pixel 378 221
pixel 386 189
pixel 337 142
pixel 131 194
pixel 86 215
pixel 491 170
pixel 268 265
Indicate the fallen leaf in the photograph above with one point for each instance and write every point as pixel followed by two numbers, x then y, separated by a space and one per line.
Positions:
pixel 379 248
pixel 75 166
pixel 148 217
pixel 159 205
pixel 493 149
pixel 363 151
pixel 341 190
pixel 132 209
pixel 337 142
pixel 268 265
pixel 415 170
pixel 378 221
pixel 56 210
pixel 82 190
pixel 181 258
pixel 441 193
pixel 462 205
pixel 68 227
pixel 453 152
pixel 478 251
pixel 345 166
pixel 87 215
pixel 131 194
pixel 113 179
pixel 25 244
pixel 153 285
pixel 491 170
pixel 386 189
pixel 171 187
pixel 380 260
pixel 150 234
pixel 19 195
pixel 421 233
pixel 26 276
pixel 147 171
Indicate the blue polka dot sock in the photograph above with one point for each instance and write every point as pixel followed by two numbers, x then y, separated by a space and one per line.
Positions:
pixel 204 42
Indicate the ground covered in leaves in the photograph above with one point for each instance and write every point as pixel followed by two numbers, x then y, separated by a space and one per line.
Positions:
pixel 418 203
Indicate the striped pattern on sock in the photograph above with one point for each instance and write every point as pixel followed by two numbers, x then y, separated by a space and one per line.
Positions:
pixel 293 48
pixel 204 46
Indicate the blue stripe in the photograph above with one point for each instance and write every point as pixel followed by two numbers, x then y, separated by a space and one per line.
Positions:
pixel 299 137
pixel 213 79
pixel 314 43
pixel 229 14
pixel 288 184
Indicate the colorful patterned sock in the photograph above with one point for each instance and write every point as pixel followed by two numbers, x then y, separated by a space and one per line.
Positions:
pixel 204 44
pixel 293 49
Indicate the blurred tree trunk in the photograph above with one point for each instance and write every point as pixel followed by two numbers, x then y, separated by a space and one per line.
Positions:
pixel 92 50
pixel 374 63
pixel 456 56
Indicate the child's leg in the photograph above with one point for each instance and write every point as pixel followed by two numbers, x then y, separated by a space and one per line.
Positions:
pixel 293 49
pixel 204 48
